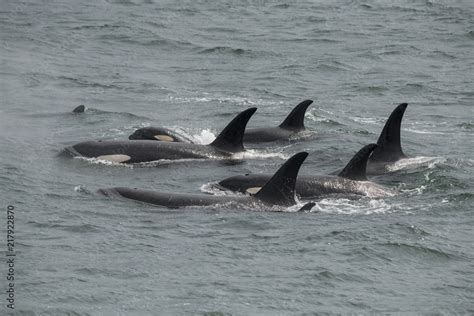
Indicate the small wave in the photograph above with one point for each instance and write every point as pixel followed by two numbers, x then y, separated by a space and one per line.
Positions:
pixel 214 189
pixel 423 131
pixel 415 191
pixel 413 229
pixel 333 66
pixel 363 206
pixel 82 189
pixel 96 161
pixel 367 120
pixel 261 154
pixel 324 120
pixel 466 126
pixel 418 250
pixel 98 27
pixel 373 89
pixel 226 50
pixel 415 163
pixel 86 83
pixel 221 99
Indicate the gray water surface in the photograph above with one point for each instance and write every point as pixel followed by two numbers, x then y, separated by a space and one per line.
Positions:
pixel 192 66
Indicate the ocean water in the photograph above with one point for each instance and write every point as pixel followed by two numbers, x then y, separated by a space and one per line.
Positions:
pixel 192 66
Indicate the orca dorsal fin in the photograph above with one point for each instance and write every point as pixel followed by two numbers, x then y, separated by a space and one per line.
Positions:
pixel 295 120
pixel 389 147
pixel 231 137
pixel 356 168
pixel 79 109
pixel 280 189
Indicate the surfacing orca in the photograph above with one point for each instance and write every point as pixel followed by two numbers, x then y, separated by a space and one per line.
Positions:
pixel 228 142
pixel 389 149
pixel 279 190
pixel 158 133
pixel 351 180
pixel 291 126
pixel 79 109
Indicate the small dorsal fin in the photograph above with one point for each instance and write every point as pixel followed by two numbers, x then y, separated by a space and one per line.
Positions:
pixel 79 109
pixel 356 168
pixel 231 137
pixel 280 189
pixel 389 147
pixel 295 120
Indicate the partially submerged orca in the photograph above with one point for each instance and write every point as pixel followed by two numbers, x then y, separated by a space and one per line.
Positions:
pixel 79 109
pixel 158 133
pixel 228 142
pixel 291 126
pixel 279 190
pixel 389 149
pixel 351 180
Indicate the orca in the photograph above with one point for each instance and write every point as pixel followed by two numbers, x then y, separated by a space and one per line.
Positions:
pixel 351 180
pixel 289 128
pixel 158 133
pixel 389 149
pixel 286 131
pixel 279 190
pixel 79 109
pixel 227 143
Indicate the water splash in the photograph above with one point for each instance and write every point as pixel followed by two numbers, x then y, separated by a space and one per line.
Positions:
pixel 362 206
pixel 416 163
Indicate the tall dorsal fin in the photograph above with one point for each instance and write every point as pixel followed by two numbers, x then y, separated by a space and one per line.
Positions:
pixel 389 147
pixel 356 168
pixel 295 120
pixel 231 137
pixel 280 189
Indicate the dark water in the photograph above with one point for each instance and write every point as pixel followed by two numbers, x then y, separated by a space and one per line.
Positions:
pixel 192 66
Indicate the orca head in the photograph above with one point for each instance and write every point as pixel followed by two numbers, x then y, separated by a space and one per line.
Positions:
pixel 239 183
pixel 151 133
pixel 141 133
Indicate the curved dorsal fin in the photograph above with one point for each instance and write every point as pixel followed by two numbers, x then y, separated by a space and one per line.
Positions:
pixel 389 147
pixel 231 137
pixel 280 189
pixel 356 168
pixel 295 120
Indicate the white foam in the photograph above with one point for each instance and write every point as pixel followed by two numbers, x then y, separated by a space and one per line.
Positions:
pixel 96 161
pixel 205 137
pixel 362 206
pixel 261 154
pixel 222 99
pixel 416 131
pixel 415 162
pixel 147 164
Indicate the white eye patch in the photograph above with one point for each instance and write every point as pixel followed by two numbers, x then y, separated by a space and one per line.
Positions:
pixel 164 138
pixel 114 158
pixel 253 190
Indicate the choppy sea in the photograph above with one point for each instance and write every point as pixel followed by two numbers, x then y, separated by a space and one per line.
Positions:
pixel 192 66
